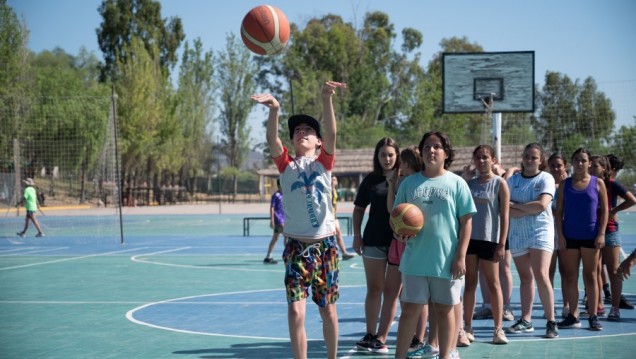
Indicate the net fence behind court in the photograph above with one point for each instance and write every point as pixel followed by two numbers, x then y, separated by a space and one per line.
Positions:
pixel 573 123
pixel 68 146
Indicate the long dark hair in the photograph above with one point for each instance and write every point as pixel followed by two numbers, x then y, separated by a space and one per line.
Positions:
pixel 446 144
pixel 543 164
pixel 386 141
pixel 604 162
pixel 557 156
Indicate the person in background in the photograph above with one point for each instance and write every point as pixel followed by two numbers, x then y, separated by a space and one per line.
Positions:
pixel 531 236
pixel 276 222
pixel 373 245
pixel 557 166
pixel 581 220
pixel 625 269
pixel 611 252
pixel 616 165
pixel 32 206
pixel 334 201
pixel 310 255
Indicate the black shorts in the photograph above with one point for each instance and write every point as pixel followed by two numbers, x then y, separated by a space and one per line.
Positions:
pixel 580 243
pixel 484 250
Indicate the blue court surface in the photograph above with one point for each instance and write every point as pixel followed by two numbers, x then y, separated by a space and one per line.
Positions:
pixel 191 286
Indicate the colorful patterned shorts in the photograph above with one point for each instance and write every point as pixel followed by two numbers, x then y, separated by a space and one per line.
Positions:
pixel 314 265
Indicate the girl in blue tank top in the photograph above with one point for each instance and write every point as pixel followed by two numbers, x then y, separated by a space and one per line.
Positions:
pixel 581 218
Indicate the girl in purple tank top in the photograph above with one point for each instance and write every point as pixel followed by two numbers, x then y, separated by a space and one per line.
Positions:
pixel 581 218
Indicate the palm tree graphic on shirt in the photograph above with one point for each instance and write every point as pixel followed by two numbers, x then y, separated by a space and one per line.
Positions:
pixel 310 185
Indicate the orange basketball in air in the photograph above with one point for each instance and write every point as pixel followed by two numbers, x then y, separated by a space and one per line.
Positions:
pixel 406 219
pixel 265 30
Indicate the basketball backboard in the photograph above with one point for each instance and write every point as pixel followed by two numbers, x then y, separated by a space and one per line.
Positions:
pixel 471 78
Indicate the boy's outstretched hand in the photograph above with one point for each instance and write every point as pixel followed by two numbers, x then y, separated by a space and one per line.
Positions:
pixel 267 100
pixel 329 88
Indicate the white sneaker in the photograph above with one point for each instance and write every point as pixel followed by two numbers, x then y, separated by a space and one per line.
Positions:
pixel 508 315
pixel 462 339
pixel 499 337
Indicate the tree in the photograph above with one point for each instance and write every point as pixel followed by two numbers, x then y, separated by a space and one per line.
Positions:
pixel 195 109
pixel 14 74
pixel 151 140
pixel 236 78
pixel 71 134
pixel 381 79
pixel 623 145
pixel 124 20
pixel 572 115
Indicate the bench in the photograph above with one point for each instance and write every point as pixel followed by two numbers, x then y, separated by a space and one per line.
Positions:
pixel 247 220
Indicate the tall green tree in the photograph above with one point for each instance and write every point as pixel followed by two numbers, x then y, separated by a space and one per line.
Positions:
pixel 572 114
pixel 382 75
pixel 623 145
pixel 235 74
pixel 70 113
pixel 151 139
pixel 195 109
pixel 124 20
pixel 14 74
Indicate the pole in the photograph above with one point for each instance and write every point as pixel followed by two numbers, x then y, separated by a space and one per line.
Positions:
pixel 218 168
pixel 496 134
pixel 291 94
pixel 117 169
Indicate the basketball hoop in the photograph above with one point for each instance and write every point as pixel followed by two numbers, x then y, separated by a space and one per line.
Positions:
pixel 488 103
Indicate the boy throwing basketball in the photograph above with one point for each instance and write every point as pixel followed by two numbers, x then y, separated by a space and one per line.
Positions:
pixel 311 253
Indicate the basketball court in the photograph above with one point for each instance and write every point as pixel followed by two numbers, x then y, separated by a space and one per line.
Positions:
pixel 191 286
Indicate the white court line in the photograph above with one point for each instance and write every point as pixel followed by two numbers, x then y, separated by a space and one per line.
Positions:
pixel 34 251
pixel 134 258
pixel 141 260
pixel 70 259
pixel 14 250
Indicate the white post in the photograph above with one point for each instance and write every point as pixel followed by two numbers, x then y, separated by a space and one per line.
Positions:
pixel 496 134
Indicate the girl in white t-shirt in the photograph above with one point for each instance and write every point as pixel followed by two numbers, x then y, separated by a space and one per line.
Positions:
pixel 531 237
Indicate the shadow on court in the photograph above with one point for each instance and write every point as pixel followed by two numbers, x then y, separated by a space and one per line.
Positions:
pixel 315 349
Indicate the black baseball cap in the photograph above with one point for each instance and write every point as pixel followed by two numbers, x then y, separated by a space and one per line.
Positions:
pixel 296 120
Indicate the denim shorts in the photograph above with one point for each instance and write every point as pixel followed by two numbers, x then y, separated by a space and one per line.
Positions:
pixel 612 239
pixel 375 252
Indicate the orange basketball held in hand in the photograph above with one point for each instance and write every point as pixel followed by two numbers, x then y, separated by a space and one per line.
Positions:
pixel 265 30
pixel 406 219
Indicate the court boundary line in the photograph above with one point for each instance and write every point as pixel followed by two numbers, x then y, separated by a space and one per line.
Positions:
pixel 70 259
pixel 135 259
pixel 33 251
pixel 130 317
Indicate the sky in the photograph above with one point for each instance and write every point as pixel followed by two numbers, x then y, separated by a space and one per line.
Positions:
pixel 578 38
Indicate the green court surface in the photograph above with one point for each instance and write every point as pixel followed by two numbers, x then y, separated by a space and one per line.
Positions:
pixel 191 286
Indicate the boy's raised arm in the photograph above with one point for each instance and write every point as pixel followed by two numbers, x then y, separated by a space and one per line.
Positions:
pixel 329 117
pixel 273 141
